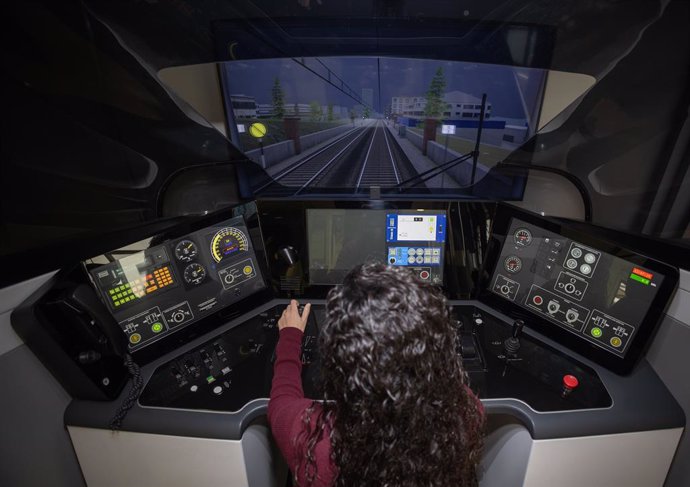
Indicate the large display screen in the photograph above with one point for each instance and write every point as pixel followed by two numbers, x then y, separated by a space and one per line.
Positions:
pixel 169 285
pixel 597 296
pixel 340 239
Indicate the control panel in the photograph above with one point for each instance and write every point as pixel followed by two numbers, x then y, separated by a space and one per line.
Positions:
pixel 168 286
pixel 231 370
pixel 596 293
pixel 340 239
pixel 416 241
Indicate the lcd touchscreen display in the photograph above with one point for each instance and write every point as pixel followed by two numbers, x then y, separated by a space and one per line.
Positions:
pixel 597 296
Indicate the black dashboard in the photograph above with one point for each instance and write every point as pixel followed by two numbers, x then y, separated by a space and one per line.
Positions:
pixel 548 319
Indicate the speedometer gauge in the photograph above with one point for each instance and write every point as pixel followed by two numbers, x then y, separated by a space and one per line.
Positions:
pixel 228 241
pixel 523 237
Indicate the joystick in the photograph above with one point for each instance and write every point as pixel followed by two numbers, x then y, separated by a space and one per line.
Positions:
pixel 512 344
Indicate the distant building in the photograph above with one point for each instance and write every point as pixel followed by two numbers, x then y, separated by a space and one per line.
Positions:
pixel 459 105
pixel 267 110
pixel 463 106
pixel 243 106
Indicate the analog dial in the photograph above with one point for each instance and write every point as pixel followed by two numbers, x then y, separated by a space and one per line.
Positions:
pixel 228 241
pixel 523 237
pixel 512 264
pixel 186 250
pixel 194 274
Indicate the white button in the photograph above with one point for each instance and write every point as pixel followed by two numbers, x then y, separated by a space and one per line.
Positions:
pixel 585 269
pixel 218 390
pixel 478 321
pixel 590 258
pixel 194 388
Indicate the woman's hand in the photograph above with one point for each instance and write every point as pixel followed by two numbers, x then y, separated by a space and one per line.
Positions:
pixel 291 317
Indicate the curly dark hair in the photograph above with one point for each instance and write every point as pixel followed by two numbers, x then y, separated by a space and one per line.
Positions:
pixel 395 394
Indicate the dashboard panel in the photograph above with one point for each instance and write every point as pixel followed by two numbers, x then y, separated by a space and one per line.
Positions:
pixel 168 286
pixel 593 296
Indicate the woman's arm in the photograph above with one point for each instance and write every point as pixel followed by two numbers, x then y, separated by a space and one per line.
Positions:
pixel 287 396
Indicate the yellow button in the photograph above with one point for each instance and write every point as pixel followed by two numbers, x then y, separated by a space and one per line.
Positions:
pixel 616 342
pixel 135 338
pixel 247 270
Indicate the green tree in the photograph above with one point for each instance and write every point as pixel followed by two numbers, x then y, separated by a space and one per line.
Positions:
pixel 278 99
pixel 329 115
pixel 367 112
pixel 435 105
pixel 315 111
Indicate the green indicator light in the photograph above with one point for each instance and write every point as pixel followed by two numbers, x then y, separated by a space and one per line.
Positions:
pixel 210 379
pixel 112 291
pixel 596 332
pixel 157 327
pixel 641 279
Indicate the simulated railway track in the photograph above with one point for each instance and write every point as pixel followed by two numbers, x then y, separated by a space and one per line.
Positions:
pixel 380 167
pixel 364 157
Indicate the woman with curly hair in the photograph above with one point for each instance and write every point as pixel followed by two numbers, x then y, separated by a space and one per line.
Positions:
pixel 397 410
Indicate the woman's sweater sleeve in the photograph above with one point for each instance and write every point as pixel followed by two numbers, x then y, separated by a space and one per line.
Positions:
pixel 287 402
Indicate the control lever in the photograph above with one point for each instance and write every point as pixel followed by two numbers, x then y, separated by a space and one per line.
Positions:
pixel 512 344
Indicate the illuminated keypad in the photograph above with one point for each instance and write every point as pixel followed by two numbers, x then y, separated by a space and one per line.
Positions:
pixel 140 287
pixel 162 277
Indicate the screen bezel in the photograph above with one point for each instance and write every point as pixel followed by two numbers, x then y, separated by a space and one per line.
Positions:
pixel 648 324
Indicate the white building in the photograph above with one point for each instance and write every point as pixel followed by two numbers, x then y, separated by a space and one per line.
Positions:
pixel 267 110
pixel 459 105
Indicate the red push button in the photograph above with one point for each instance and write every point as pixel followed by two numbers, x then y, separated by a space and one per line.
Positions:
pixel 537 300
pixel 424 275
pixel 570 381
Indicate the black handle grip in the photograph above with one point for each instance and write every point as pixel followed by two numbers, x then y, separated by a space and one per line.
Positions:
pixel 518 325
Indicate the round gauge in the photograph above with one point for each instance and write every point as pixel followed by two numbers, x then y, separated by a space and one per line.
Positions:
pixel 186 250
pixel 522 237
pixel 512 264
pixel 194 274
pixel 228 241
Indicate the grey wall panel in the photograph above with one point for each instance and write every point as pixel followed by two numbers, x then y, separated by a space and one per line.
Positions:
pixel 10 298
pixel 669 356
pixel 35 449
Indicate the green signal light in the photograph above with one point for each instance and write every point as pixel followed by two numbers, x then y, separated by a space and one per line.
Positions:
pixel 157 327
pixel 641 279
pixel 596 332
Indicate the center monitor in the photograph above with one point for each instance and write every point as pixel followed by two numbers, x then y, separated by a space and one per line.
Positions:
pixel 340 239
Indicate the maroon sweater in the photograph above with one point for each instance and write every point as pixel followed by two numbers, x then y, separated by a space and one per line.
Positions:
pixel 286 408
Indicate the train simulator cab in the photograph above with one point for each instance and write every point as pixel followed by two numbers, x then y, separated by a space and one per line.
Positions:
pixel 174 173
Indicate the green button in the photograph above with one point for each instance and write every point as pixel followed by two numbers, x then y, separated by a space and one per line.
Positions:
pixel 210 379
pixel 157 327
pixel 596 332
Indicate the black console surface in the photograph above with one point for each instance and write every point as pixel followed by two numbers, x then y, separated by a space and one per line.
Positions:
pixel 235 368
